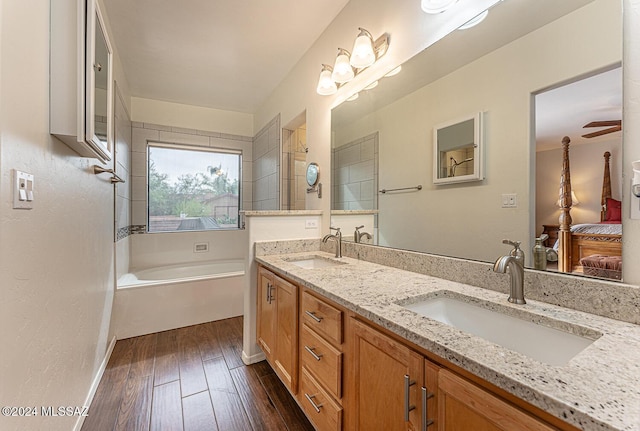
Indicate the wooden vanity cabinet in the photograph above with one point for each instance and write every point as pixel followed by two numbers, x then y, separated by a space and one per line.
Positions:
pixel 277 321
pixel 354 375
pixel 387 382
pixel 321 362
pixel 465 406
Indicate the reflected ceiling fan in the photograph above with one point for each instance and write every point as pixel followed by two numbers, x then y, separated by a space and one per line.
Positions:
pixel 612 126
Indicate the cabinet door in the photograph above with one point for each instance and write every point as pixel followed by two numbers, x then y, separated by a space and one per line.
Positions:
pixel 381 370
pixel 266 318
pixel 286 336
pixel 464 406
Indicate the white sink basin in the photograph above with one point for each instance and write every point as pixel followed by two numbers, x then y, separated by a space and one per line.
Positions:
pixel 545 344
pixel 314 262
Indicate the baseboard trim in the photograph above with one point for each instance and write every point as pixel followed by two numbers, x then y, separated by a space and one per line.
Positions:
pixel 96 382
pixel 248 360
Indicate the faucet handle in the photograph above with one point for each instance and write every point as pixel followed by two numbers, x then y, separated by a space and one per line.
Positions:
pixel 515 244
pixel 337 229
pixel 359 227
pixel 517 251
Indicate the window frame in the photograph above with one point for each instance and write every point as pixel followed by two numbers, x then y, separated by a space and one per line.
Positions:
pixel 187 147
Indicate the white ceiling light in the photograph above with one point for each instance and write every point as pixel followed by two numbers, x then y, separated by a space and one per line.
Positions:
pixel 363 54
pixel 436 6
pixel 326 85
pixel 342 70
pixel 474 21
pixel 366 52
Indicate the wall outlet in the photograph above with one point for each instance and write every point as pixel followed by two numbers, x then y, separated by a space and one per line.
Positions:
pixel 509 200
pixel 201 247
pixel 22 190
pixel 311 224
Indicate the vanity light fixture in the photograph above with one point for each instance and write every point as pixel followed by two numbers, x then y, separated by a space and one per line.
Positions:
pixel 342 70
pixel 326 85
pixel 354 97
pixel 474 21
pixel 436 6
pixel 366 51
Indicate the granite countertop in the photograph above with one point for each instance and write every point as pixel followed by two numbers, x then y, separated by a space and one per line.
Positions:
pixel 599 389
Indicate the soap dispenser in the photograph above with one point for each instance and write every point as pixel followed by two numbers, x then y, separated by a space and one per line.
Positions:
pixel 540 253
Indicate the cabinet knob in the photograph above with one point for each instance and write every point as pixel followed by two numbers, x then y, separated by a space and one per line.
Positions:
pixel 97 67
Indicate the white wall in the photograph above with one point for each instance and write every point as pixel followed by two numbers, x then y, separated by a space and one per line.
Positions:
pixel 631 135
pixel 56 260
pixel 587 170
pixel 191 117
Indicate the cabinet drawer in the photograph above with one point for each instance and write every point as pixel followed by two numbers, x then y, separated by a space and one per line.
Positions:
pixel 322 360
pixel 322 318
pixel 320 409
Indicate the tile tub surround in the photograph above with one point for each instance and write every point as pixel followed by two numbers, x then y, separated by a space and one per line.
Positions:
pixel 597 389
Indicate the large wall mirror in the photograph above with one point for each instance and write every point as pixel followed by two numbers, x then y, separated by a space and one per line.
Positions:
pixel 521 50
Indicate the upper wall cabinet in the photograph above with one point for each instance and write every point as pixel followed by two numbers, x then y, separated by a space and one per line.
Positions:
pixel 81 81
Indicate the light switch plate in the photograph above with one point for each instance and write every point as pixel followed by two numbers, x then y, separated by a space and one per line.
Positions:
pixel 23 195
pixel 509 200
pixel 311 224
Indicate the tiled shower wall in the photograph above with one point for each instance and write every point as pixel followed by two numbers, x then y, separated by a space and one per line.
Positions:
pixel 145 132
pixel 123 190
pixel 266 167
pixel 294 163
pixel 355 174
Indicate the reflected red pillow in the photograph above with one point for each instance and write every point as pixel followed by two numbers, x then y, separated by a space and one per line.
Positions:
pixel 614 210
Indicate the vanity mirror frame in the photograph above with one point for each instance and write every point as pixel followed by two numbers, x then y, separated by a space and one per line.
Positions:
pixel 447 141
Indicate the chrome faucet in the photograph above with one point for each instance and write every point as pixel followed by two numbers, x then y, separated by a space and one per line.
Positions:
pixel 514 262
pixel 357 235
pixel 337 238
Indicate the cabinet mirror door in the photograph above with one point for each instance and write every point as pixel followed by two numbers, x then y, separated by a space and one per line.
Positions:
pixel 99 85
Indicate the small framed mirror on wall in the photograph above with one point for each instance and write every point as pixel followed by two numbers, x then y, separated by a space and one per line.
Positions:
pixel 458 150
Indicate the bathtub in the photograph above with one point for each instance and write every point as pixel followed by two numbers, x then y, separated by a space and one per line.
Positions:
pixel 182 273
pixel 172 296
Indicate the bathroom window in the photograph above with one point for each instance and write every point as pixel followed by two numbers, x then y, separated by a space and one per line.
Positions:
pixel 192 188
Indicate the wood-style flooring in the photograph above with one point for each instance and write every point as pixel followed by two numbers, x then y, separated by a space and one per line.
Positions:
pixel 191 379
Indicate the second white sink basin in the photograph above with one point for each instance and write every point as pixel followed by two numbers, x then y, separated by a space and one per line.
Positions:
pixel 543 343
pixel 314 262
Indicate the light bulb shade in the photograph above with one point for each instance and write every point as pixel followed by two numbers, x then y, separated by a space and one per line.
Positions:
pixel 326 85
pixel 363 54
pixel 436 6
pixel 342 70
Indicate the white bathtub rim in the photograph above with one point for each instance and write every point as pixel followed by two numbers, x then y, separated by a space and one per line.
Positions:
pixel 130 281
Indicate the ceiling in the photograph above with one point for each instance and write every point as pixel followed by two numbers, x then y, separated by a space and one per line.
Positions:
pixel 214 53
pixel 564 111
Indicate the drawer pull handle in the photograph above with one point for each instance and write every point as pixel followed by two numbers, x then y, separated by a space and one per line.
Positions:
pixel 313 316
pixel 315 406
pixel 425 396
pixel 407 394
pixel 314 354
